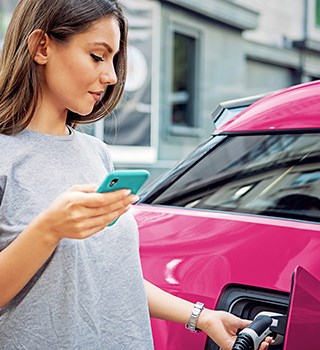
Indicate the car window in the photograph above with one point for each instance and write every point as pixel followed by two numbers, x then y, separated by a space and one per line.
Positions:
pixel 274 175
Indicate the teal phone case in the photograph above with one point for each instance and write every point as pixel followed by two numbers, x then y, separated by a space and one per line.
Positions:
pixel 124 179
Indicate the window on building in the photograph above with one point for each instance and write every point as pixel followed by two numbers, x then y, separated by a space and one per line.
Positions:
pixel 183 91
pixel 317 13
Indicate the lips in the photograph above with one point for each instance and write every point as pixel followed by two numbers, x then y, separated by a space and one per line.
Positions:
pixel 96 95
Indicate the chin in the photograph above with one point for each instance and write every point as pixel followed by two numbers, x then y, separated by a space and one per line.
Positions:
pixel 83 112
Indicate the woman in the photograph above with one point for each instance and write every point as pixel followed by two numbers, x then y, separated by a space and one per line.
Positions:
pixel 67 280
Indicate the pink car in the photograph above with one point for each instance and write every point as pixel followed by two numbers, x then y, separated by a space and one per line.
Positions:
pixel 235 224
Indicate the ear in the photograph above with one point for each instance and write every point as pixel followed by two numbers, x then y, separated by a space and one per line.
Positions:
pixel 37 44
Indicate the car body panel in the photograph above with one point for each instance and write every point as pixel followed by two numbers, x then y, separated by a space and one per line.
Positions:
pixel 192 253
pixel 291 109
pixel 253 246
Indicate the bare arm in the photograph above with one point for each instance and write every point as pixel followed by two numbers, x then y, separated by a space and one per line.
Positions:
pixel 76 214
pixel 220 326
pixel 22 259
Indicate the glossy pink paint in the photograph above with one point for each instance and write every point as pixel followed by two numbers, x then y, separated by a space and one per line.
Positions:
pixel 196 254
pixel 304 312
pixel 294 108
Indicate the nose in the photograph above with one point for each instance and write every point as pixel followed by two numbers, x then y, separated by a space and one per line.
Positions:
pixel 108 76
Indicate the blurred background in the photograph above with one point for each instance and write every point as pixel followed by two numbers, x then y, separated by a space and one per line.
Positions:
pixel 187 56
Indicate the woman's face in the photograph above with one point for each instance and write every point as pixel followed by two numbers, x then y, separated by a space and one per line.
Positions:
pixel 77 73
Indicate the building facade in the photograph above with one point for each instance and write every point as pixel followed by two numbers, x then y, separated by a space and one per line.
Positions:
pixel 186 56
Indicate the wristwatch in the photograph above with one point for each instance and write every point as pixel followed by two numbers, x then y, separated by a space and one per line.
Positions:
pixel 192 323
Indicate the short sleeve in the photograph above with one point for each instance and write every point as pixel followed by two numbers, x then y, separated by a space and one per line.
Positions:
pixel 3 181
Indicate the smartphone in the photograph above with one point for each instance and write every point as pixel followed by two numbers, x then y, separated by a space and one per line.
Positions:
pixel 124 179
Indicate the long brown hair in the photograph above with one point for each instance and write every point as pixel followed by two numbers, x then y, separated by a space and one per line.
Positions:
pixel 20 85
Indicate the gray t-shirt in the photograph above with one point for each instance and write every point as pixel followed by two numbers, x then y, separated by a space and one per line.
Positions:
pixel 89 295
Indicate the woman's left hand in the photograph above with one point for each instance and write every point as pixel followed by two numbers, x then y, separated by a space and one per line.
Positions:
pixel 222 327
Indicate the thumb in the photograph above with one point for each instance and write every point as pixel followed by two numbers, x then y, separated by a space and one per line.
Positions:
pixel 245 323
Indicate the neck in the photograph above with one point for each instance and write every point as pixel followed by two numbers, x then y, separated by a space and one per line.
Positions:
pixel 50 131
pixel 56 129
pixel 49 121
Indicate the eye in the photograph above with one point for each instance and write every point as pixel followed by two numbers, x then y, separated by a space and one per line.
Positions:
pixel 96 58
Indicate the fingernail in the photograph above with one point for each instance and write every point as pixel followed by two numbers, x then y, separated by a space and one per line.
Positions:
pixel 135 198
pixel 127 192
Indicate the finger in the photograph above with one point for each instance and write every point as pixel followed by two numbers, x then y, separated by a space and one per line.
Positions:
pixel 87 188
pixel 90 231
pixel 269 340
pixel 98 223
pixel 95 200
pixel 122 203
pixel 95 213
pixel 264 346
pixel 245 323
pixel 82 213
pixel 128 201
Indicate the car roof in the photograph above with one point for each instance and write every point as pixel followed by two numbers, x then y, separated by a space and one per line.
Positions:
pixel 293 108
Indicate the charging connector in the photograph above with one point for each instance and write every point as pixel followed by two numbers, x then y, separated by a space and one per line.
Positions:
pixel 264 324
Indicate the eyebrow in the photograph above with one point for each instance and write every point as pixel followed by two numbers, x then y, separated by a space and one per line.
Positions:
pixel 106 45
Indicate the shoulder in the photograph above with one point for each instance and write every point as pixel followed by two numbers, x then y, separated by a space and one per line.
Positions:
pixel 4 139
pixel 98 146
pixel 8 146
pixel 89 138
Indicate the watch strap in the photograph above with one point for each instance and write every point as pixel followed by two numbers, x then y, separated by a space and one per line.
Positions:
pixel 193 320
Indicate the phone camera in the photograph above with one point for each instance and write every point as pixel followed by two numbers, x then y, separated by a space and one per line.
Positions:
pixel 113 182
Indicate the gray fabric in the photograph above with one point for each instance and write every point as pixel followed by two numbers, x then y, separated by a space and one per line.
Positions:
pixel 89 294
